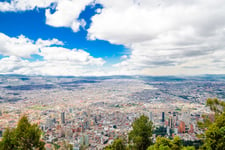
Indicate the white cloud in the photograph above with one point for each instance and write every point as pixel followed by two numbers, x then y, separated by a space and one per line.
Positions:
pixel 56 60
pixel 15 65
pixel 124 57
pixel 66 12
pixel 23 47
pixel 80 57
pixel 165 37
pixel 44 43
pixel 23 5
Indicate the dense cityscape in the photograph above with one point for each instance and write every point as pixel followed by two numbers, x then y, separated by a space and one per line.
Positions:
pixel 93 111
pixel 112 75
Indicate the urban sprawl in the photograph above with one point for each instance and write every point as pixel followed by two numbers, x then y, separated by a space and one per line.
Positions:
pixel 93 111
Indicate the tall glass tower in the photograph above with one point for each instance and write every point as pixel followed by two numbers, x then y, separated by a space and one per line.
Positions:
pixel 163 116
pixel 62 117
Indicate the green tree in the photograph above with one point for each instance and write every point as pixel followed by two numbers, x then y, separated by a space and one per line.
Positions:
pixel 141 134
pixel 8 140
pixel 214 135
pixel 216 105
pixel 24 137
pixel 188 148
pixel 163 143
pixel 118 144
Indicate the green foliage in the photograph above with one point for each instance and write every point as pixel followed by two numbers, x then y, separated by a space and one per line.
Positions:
pixel 8 140
pixel 141 134
pixel 24 137
pixel 206 122
pixel 163 143
pixel 177 144
pixel 214 135
pixel 118 144
pixel 188 148
pixel 216 105
pixel 196 143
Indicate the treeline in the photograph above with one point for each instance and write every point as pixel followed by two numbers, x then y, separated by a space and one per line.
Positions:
pixel 212 137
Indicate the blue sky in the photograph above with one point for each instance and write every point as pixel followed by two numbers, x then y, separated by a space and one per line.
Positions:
pixel 98 37
pixel 32 25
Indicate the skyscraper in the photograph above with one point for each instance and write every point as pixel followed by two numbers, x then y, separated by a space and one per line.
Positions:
pixel 150 116
pixel 181 128
pixel 62 117
pixel 170 122
pixel 86 140
pixel 163 116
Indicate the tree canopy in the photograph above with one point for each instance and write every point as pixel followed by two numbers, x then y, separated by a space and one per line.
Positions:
pixel 214 130
pixel 163 143
pixel 118 144
pixel 25 136
pixel 141 135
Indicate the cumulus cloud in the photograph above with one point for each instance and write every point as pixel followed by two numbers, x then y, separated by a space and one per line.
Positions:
pixel 165 37
pixel 22 46
pixel 66 12
pixel 23 5
pixel 80 57
pixel 57 60
pixel 16 65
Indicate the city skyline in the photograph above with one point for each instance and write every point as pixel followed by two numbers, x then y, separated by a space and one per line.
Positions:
pixel 102 38
pixel 94 111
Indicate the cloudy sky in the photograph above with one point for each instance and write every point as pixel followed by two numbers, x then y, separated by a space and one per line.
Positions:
pixel 108 37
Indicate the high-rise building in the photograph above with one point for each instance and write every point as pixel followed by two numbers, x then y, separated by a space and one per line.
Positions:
pixel 191 128
pixel 81 140
pixel 186 117
pixel 175 116
pixel 71 110
pixel 176 130
pixel 49 123
pixel 86 140
pixel 181 128
pixel 163 116
pixel 63 117
pixel 0 133
pixel 168 130
pixel 170 122
pixel 96 120
pixel 150 116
